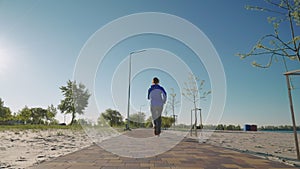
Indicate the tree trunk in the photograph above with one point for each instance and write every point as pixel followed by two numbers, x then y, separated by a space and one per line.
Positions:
pixel 195 125
pixel 73 118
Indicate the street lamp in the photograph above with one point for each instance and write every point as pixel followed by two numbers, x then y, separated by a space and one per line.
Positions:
pixel 127 127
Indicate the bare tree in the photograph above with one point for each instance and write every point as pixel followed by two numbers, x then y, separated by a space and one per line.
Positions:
pixel 194 92
pixel 173 103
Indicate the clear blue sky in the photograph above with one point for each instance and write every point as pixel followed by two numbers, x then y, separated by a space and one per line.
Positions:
pixel 40 42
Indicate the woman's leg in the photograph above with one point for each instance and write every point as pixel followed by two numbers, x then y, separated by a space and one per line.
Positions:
pixel 158 125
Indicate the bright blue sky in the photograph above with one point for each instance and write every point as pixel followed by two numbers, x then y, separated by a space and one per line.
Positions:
pixel 41 40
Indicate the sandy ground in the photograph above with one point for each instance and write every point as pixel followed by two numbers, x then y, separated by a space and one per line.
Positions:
pixel 21 149
pixel 269 145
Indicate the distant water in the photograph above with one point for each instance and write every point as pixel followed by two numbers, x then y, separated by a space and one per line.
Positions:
pixel 280 131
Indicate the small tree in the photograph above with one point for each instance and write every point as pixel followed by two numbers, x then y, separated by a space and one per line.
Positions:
pixel 5 113
pixel 166 122
pixel 75 101
pixel 51 113
pixel 173 103
pixel 194 92
pixel 113 117
pixel 25 115
pixel 101 121
pixel 138 118
pixel 220 127
pixel 38 115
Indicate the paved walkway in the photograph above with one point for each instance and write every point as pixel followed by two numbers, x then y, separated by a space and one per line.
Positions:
pixel 187 154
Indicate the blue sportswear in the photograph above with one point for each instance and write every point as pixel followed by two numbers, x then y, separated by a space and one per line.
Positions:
pixel 157 95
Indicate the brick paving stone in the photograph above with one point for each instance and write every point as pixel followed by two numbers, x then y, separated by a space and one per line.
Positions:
pixel 187 154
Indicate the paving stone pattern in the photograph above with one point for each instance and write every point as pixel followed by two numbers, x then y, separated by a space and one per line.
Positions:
pixel 188 154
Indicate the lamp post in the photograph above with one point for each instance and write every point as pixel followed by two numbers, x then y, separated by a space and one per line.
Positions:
pixel 127 127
